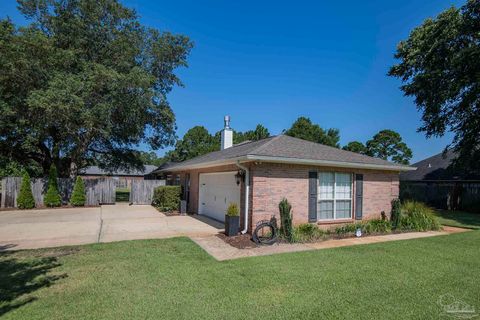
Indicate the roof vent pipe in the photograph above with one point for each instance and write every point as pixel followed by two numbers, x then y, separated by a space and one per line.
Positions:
pixel 226 120
pixel 227 134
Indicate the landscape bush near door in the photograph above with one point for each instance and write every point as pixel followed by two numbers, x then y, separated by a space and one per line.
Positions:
pixel 167 198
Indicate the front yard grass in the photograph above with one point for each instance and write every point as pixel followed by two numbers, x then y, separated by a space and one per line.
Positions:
pixel 176 279
pixel 458 219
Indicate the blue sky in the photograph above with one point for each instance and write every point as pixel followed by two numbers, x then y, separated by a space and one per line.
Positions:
pixel 270 62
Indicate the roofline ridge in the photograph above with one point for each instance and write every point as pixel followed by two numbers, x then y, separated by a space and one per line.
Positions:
pixel 272 138
pixel 342 150
pixel 436 155
pixel 219 151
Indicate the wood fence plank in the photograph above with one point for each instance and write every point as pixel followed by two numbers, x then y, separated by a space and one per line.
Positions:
pixel 97 191
pixel 142 190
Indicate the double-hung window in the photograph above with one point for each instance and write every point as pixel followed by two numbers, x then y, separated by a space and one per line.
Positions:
pixel 334 196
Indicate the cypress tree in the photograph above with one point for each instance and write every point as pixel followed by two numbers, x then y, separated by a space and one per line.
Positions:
pixel 52 197
pixel 25 198
pixel 286 227
pixel 78 195
pixel 395 214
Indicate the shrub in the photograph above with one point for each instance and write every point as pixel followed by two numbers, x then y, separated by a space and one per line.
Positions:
pixel 395 213
pixel 349 228
pixel 167 198
pixel 417 216
pixel 78 194
pixel 52 197
pixel 307 232
pixel 376 226
pixel 25 198
pixel 233 210
pixel 368 227
pixel 286 228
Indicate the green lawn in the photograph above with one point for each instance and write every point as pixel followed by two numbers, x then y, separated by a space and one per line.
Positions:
pixel 176 279
pixel 459 219
pixel 122 195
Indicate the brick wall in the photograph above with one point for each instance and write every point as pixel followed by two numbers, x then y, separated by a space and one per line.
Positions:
pixel 271 182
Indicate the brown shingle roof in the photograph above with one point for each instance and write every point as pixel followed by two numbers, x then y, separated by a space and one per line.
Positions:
pixel 433 168
pixel 97 171
pixel 283 148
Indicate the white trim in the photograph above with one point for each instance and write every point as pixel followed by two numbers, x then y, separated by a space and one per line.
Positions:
pixel 337 164
pixel 325 163
pixel 334 199
pixel 209 164
pixel 215 173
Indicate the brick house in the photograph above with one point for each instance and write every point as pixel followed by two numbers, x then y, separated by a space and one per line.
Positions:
pixel 324 185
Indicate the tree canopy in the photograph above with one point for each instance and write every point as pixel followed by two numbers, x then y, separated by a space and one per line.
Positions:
pixel 388 145
pixel 440 67
pixel 259 133
pixel 198 141
pixel 303 128
pixel 151 158
pixel 356 146
pixel 85 83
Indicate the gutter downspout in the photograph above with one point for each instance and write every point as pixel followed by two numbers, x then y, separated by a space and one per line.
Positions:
pixel 247 192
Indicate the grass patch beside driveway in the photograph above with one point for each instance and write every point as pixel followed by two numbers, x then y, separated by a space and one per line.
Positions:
pixel 175 279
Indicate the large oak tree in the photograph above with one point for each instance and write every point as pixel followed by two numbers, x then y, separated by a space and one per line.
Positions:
pixel 84 83
pixel 440 67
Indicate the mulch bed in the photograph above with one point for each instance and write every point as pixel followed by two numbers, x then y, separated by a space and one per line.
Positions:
pixel 172 213
pixel 242 241
pixel 169 213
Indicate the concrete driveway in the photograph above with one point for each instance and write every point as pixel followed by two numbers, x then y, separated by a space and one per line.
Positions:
pixel 29 229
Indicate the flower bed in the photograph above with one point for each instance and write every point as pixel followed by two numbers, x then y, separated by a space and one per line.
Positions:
pixel 410 216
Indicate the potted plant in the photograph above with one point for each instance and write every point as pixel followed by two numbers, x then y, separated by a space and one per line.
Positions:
pixel 232 220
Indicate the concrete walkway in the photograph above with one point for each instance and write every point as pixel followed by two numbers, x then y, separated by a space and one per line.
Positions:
pixel 220 250
pixel 30 229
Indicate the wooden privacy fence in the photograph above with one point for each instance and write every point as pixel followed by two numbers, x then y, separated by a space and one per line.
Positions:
pixel 97 191
pixel 142 190
pixel 461 195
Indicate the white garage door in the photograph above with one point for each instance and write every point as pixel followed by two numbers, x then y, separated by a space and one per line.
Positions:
pixel 216 192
